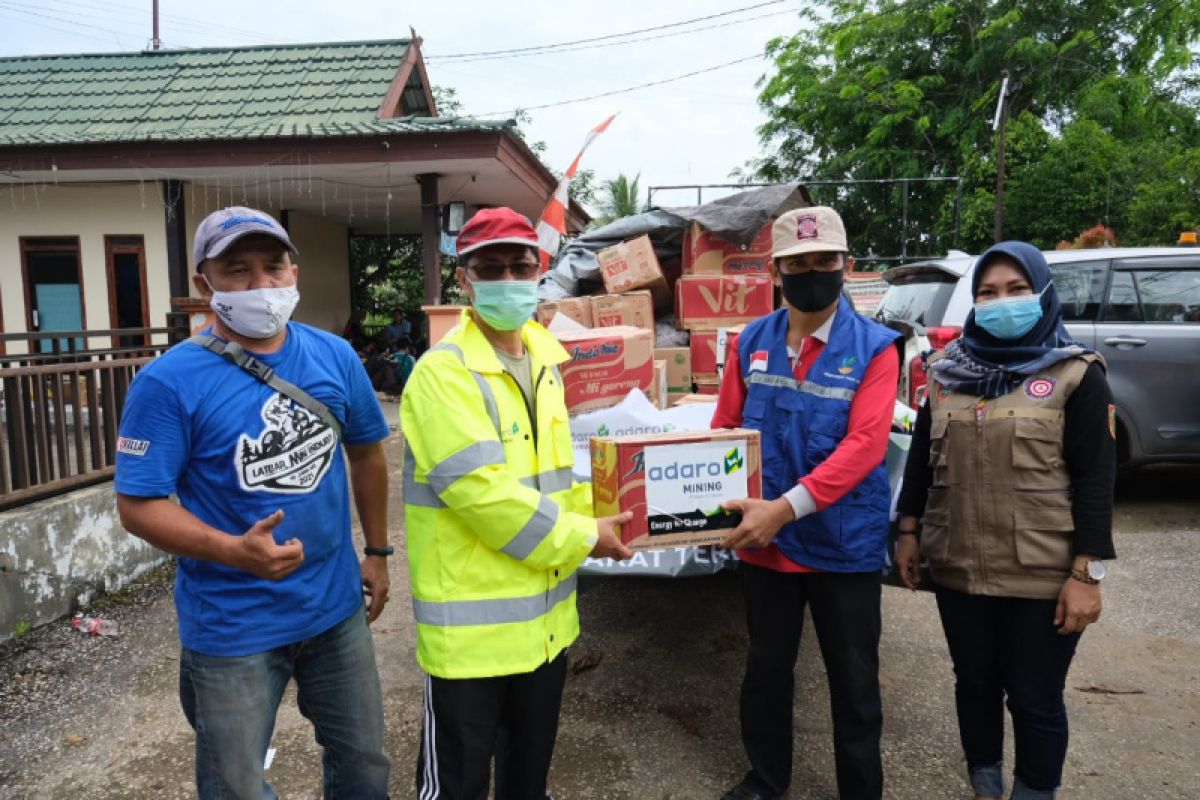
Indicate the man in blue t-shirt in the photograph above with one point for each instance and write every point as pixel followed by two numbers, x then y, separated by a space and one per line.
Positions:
pixel 398 328
pixel 268 586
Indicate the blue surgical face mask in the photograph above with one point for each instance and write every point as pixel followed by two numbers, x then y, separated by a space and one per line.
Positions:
pixel 505 305
pixel 1009 317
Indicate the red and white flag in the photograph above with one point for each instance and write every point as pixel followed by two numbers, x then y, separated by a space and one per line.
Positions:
pixel 553 223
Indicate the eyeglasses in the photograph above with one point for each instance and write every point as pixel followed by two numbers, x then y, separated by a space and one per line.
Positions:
pixel 807 262
pixel 496 270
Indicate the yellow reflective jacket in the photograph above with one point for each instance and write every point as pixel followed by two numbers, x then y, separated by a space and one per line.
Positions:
pixel 496 524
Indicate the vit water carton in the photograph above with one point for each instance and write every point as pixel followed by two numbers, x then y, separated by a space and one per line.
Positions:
pixel 674 483
pixel 722 301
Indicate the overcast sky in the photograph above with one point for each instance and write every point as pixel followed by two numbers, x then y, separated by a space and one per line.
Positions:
pixel 695 130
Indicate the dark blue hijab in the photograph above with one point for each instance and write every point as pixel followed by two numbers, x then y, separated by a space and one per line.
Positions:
pixel 982 365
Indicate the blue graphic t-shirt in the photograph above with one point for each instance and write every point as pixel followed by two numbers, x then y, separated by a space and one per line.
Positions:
pixel 235 450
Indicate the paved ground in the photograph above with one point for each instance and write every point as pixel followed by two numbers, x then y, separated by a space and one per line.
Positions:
pixel 656 717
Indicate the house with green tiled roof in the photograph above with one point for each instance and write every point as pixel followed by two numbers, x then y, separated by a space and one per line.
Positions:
pixel 109 161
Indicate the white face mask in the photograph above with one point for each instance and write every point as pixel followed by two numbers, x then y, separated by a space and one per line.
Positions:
pixel 255 313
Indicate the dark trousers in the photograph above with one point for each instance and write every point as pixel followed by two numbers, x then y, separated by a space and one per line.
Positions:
pixel 845 612
pixel 512 720
pixel 1009 646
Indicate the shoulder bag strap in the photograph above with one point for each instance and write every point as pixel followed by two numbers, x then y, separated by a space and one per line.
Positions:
pixel 235 354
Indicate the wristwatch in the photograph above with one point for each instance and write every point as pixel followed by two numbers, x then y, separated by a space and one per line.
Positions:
pixel 379 551
pixel 1095 572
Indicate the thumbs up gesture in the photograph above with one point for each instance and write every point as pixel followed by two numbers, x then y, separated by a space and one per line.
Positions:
pixel 261 556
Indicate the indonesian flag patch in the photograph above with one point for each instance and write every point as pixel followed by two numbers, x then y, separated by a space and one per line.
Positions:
pixel 758 361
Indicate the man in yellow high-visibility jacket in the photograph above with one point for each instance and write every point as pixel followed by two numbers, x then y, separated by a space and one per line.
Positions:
pixel 497 527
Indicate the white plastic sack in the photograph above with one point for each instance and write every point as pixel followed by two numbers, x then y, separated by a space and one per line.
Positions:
pixel 633 416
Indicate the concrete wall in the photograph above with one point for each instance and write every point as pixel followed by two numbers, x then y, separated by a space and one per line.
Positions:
pixel 324 271
pixel 132 209
pixel 89 212
pixel 56 555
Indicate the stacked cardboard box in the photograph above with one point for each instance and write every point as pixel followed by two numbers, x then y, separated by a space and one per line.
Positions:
pixel 634 308
pixel 605 364
pixel 705 253
pixel 577 308
pixel 692 399
pixel 658 389
pixel 633 265
pixel 679 371
pixel 724 286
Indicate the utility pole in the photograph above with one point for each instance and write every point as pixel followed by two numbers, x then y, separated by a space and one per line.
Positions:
pixel 999 123
pixel 155 41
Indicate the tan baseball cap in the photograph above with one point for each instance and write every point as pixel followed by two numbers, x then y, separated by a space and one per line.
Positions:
pixel 808 230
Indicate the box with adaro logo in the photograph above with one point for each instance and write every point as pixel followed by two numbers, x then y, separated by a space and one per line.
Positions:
pixel 674 483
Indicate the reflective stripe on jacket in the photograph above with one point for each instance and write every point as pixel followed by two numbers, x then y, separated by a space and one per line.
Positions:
pixel 998 518
pixel 803 423
pixel 496 523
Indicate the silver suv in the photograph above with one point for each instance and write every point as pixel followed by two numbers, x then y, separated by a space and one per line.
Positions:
pixel 1138 307
pixel 927 301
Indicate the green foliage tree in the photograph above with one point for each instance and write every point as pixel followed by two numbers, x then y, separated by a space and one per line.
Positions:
pixel 386 275
pixel 906 89
pixel 619 197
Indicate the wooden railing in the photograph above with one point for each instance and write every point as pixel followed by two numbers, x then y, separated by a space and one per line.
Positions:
pixel 61 402
pixel 59 426
pixel 61 347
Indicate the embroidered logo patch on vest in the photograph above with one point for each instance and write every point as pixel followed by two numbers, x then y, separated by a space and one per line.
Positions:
pixel 758 361
pixel 847 365
pixel 1038 388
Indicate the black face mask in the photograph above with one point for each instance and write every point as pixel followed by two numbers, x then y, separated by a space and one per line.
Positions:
pixel 813 290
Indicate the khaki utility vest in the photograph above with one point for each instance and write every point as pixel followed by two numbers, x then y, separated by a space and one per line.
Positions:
pixel 998 518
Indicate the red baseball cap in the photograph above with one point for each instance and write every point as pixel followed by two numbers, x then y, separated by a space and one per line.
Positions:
pixel 492 226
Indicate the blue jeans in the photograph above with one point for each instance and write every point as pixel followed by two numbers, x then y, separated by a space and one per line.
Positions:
pixel 232 702
pixel 1008 648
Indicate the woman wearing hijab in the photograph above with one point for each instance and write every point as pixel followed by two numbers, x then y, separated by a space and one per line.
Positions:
pixel 1011 473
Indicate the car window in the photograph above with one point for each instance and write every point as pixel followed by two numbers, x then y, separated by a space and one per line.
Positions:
pixel 920 299
pixel 1123 305
pixel 1080 288
pixel 1169 295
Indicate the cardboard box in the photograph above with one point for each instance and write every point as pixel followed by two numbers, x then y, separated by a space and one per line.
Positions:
pixel 706 366
pixel 708 387
pixel 677 398
pixel 605 364
pixel 658 389
pixel 633 265
pixel 632 308
pixel 577 308
pixel 689 399
pixel 674 483
pixel 719 301
pixel 679 368
pixel 705 253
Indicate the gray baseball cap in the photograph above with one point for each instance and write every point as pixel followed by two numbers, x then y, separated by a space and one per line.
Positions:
pixel 222 228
